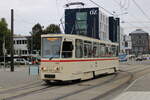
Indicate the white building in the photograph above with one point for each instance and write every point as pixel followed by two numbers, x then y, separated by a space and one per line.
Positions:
pixel 128 44
pixel 20 46
pixel 122 40
pixel 103 26
pixel 125 42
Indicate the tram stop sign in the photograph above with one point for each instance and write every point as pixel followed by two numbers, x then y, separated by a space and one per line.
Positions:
pixel 34 70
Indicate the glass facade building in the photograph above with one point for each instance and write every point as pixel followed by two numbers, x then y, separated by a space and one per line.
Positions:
pixel 82 21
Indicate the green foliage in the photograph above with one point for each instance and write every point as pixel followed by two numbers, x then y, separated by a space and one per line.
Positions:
pixel 52 28
pixel 4 34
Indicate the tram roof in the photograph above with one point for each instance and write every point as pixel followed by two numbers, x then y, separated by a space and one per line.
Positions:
pixel 78 37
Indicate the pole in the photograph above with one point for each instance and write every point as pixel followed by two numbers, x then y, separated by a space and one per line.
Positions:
pixel 11 40
pixel 4 52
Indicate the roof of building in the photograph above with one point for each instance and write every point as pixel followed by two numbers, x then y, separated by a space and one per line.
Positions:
pixel 138 31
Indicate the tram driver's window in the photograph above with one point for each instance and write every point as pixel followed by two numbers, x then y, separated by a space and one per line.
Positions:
pixel 67 49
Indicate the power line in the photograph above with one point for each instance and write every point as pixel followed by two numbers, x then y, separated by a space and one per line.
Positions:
pixel 129 23
pixel 138 27
pixel 137 22
pixel 138 6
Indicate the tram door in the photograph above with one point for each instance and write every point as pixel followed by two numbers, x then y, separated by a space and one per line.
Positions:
pixel 67 49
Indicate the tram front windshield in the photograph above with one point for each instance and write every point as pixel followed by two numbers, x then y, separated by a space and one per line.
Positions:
pixel 51 47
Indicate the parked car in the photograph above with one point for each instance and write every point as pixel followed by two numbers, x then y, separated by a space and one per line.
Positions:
pixel 21 61
pixel 123 57
pixel 139 59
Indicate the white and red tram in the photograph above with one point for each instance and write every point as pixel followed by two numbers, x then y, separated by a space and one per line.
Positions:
pixel 71 57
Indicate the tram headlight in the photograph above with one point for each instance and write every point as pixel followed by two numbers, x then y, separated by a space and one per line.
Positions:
pixel 43 68
pixel 57 68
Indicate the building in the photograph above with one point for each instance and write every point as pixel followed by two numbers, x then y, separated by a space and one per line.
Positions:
pixel 103 27
pixel 82 21
pixel 140 42
pixel 127 44
pixel 114 29
pixel 89 22
pixel 20 46
pixel 122 41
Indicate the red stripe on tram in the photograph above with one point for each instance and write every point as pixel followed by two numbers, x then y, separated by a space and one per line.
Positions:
pixel 81 60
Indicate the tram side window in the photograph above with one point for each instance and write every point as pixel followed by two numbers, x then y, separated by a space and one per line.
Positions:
pixel 95 51
pixel 108 51
pixel 87 49
pixel 102 50
pixel 90 50
pixel 79 49
pixel 67 49
pixel 114 51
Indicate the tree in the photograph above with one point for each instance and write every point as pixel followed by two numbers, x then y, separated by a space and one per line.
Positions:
pixel 52 28
pixel 4 34
pixel 34 42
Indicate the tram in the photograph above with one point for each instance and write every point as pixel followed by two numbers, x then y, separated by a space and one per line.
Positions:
pixel 72 57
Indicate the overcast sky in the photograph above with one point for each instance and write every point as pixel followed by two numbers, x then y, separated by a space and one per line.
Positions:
pixel 29 12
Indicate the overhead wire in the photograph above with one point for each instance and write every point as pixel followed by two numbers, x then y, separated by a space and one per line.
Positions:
pixel 131 24
pixel 138 6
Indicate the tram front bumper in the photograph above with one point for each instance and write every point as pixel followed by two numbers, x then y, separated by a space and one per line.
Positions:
pixel 57 76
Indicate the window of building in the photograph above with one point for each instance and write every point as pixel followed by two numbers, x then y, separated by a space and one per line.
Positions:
pixel 126 44
pixel 25 41
pixel 22 41
pixel 81 23
pixel 17 41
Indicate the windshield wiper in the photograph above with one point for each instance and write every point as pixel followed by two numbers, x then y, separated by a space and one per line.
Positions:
pixel 51 58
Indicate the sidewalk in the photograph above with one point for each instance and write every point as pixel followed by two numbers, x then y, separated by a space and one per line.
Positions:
pixel 138 90
pixel 19 76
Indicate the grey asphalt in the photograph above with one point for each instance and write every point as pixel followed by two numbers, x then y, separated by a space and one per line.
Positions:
pixel 138 90
pixel 19 76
